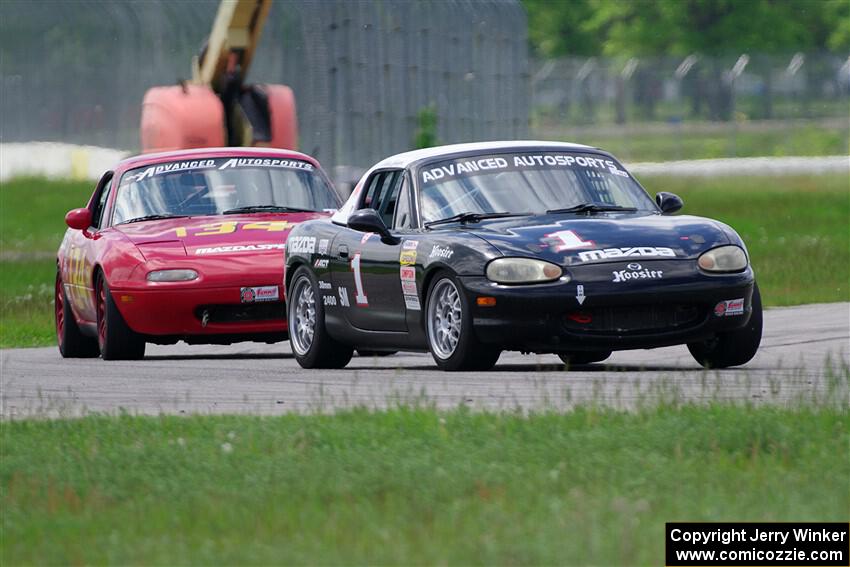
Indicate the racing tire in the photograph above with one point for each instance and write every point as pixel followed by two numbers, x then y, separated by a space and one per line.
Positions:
pixel 311 344
pixel 117 341
pixel 71 341
pixel 577 358
pixel 732 348
pixel 448 326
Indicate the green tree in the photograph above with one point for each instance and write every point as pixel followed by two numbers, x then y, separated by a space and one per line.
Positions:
pixel 679 27
pixel 560 28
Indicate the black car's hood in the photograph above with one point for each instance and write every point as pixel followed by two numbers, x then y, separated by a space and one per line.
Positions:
pixel 579 239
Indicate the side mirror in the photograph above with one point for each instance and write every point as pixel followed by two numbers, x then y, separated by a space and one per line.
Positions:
pixel 368 220
pixel 78 219
pixel 669 203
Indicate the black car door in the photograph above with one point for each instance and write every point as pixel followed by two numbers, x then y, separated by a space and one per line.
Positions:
pixel 366 269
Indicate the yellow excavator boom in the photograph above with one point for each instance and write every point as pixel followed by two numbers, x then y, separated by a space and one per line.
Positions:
pixel 233 40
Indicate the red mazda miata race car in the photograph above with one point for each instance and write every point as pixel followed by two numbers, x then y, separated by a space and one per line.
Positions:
pixel 185 245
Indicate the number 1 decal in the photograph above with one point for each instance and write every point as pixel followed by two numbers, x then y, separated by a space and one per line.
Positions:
pixel 359 297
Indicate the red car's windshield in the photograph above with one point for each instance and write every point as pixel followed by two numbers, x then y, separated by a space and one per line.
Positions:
pixel 220 185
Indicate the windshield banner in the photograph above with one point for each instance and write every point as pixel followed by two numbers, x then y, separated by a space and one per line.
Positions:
pixel 221 163
pixel 478 165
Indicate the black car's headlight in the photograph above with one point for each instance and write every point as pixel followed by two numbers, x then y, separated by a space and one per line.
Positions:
pixel 177 275
pixel 723 259
pixel 522 271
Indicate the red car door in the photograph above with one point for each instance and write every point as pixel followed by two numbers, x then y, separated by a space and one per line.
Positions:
pixel 82 253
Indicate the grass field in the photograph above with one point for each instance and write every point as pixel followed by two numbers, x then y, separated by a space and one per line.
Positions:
pixel 795 228
pixel 409 486
pixel 668 142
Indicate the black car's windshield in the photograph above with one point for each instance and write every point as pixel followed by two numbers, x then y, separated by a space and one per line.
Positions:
pixel 536 183
pixel 222 185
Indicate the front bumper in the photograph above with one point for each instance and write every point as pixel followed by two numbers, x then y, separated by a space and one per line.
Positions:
pixel 675 308
pixel 178 311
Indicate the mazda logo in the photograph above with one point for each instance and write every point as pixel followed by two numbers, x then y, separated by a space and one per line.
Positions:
pixel 634 266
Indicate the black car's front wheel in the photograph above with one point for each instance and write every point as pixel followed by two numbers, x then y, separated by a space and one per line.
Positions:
pixel 448 324
pixel 311 344
pixel 735 347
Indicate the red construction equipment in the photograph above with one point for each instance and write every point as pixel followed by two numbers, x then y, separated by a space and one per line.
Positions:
pixel 216 108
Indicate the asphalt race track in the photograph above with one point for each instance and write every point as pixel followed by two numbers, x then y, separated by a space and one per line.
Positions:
pixel 805 355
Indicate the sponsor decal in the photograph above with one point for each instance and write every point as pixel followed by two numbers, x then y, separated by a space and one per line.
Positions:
pixel 258 294
pixel 301 244
pixel 262 162
pixel 323 246
pixel 178 166
pixel 407 273
pixel 735 306
pixel 412 302
pixel 409 288
pixel 636 273
pixel 407 257
pixel 239 248
pixel 324 285
pixel 343 297
pixel 580 297
pixel 443 252
pixel 410 244
pixel 469 166
pixel 730 307
pixel 454 169
pixel 567 240
pixel 329 300
pixel 171 168
pixel 321 262
pixel 645 251
pixel 613 169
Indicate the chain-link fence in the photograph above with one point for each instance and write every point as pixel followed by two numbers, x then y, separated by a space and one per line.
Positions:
pixel 363 72
pixel 368 73
pixel 726 100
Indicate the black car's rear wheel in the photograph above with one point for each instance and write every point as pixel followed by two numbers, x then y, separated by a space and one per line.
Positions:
pixel 72 342
pixel 311 344
pixel 448 324
pixel 735 347
pixel 116 339
pixel 574 358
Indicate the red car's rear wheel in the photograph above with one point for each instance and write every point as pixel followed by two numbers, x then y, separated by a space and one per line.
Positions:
pixel 117 341
pixel 72 343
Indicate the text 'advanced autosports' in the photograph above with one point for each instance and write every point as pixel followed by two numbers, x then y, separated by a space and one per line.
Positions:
pixel 184 245
pixel 471 249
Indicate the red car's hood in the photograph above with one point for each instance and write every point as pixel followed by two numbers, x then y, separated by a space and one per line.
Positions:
pixel 214 236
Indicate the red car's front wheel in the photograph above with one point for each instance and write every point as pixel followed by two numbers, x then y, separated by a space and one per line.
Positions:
pixel 117 341
pixel 72 342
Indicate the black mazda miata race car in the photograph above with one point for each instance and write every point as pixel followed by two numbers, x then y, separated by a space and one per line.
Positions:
pixel 472 249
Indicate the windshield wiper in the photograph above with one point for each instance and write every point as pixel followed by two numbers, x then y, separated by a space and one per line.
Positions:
pixel 266 209
pixel 474 217
pixel 592 208
pixel 153 217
